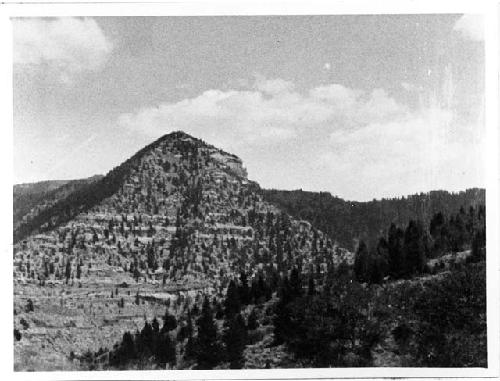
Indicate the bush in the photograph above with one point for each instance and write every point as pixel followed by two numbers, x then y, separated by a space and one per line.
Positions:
pixel 24 323
pixel 29 306
pixel 451 313
pixel 402 334
pixel 333 330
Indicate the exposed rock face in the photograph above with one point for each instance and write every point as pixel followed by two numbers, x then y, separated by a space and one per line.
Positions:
pixel 181 219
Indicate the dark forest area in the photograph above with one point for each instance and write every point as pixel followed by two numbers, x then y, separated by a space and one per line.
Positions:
pixel 349 221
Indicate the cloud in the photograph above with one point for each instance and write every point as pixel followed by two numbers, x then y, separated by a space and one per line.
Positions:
pixel 471 27
pixel 64 47
pixel 353 142
pixel 410 87
pixel 421 151
pixel 273 86
pixel 272 110
pixel 327 66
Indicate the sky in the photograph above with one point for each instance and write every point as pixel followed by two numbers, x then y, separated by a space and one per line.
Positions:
pixel 363 107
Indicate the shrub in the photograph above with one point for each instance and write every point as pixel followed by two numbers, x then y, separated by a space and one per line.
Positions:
pixel 24 323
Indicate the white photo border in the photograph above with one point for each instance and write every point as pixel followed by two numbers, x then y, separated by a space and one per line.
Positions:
pixel 490 11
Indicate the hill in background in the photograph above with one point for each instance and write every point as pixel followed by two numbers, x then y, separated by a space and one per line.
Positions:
pixel 349 221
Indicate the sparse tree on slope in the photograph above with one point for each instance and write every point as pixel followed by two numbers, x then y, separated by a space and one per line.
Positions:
pixel 235 339
pixel 207 348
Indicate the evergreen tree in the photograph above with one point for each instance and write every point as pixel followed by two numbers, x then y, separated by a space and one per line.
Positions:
pixel 169 322
pixel 68 271
pixel 147 336
pixel 439 232
pixel 155 326
pixel 137 300
pixel 125 352
pixel 235 339
pixel 397 260
pixel 477 252
pixel 295 283
pixel 415 248
pixel 207 349
pixel 78 271
pixel 243 290
pixel 166 351
pixel 219 312
pixel 281 319
pixel 232 303
pixel 252 320
pixel 380 262
pixel 311 288
pixel 362 263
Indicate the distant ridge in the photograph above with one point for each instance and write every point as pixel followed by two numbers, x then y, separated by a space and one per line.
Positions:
pixel 348 220
pixel 30 199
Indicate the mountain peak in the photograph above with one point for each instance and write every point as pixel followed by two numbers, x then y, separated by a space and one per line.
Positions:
pixel 179 134
pixel 159 168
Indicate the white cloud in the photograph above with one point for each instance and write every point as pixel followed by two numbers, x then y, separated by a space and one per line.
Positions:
pixel 351 142
pixel 268 113
pixel 64 47
pixel 327 66
pixel 273 86
pixel 471 26
pixel 409 86
pixel 422 150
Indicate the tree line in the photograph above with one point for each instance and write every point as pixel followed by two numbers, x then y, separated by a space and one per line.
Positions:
pixel 346 221
pixel 404 252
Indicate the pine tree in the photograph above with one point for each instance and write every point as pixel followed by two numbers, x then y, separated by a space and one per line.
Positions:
pixel 397 260
pixel 362 263
pixel 295 283
pixel 235 339
pixel 125 352
pixel 243 290
pixel 145 344
pixel 232 304
pixel 311 289
pixel 78 271
pixel 380 262
pixel 207 348
pixel 137 300
pixel 252 320
pixel 155 326
pixel 414 248
pixel 169 322
pixel 477 251
pixel 166 353
pixel 281 319
pixel 68 271
pixel 439 232
pixel 219 312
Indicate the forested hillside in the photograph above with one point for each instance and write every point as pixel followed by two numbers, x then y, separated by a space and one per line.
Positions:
pixel 349 221
pixel 32 199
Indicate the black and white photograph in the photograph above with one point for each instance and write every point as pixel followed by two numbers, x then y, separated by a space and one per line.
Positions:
pixel 250 192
